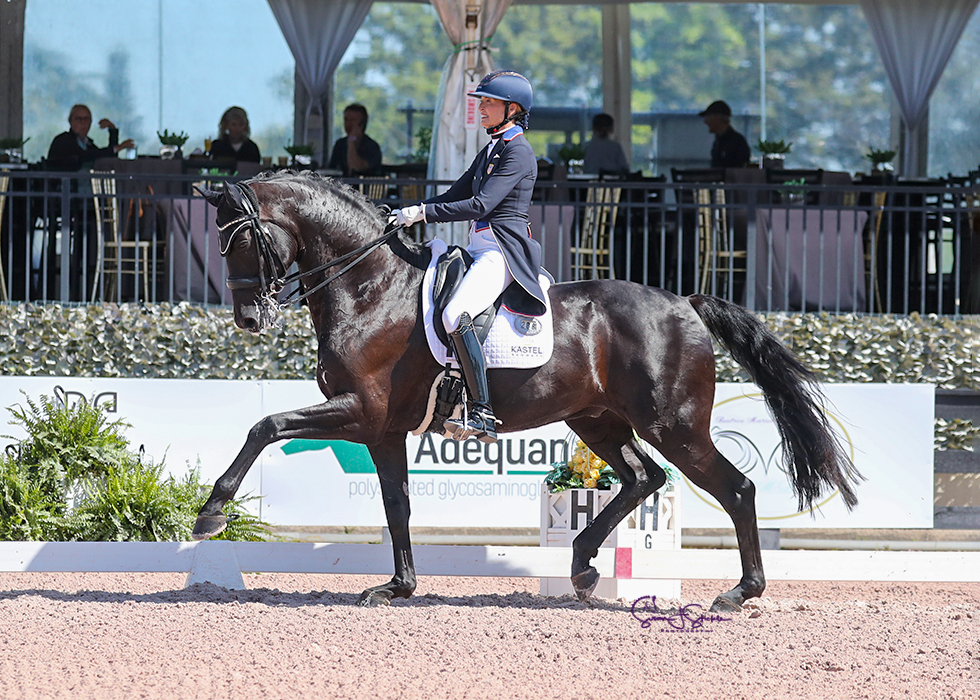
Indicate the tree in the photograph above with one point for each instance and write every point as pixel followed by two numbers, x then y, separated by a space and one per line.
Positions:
pixel 52 86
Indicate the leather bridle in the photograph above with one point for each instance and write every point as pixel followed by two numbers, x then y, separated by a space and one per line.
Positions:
pixel 271 275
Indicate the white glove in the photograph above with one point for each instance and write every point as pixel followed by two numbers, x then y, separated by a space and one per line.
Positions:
pixel 409 215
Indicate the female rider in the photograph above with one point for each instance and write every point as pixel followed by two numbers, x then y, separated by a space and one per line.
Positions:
pixel 495 194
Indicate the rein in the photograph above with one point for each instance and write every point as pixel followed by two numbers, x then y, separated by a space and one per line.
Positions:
pixel 269 258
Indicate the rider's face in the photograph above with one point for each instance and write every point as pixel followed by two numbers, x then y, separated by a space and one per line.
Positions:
pixel 491 112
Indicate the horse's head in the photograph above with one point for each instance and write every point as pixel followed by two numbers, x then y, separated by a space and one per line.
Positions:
pixel 258 252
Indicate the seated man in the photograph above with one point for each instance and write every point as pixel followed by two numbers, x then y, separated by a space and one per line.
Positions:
pixel 602 154
pixel 74 149
pixel 357 153
pixel 730 149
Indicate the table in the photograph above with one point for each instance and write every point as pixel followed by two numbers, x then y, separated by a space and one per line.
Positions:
pixel 817 259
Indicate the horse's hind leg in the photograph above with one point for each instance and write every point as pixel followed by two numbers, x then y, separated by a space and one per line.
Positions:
pixel 710 470
pixel 612 439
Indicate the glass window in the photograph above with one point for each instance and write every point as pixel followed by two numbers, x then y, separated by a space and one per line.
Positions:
pixel 154 65
pixel 954 110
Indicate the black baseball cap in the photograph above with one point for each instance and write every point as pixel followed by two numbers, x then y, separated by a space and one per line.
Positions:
pixel 717 107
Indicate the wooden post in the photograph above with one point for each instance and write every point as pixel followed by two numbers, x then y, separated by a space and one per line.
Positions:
pixel 12 68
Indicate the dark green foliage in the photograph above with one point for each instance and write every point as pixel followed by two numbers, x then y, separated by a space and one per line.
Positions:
pixel 75 478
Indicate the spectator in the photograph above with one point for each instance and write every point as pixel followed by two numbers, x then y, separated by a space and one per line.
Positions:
pixel 74 149
pixel 234 141
pixel 357 153
pixel 602 154
pixel 730 149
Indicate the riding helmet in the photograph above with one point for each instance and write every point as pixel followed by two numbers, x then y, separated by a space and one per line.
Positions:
pixel 506 85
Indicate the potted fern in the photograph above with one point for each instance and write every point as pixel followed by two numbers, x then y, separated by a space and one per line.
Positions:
pixel 74 477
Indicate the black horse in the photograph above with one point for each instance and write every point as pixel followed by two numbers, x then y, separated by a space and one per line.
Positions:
pixel 627 358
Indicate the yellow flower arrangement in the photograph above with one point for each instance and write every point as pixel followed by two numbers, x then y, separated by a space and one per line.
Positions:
pixel 586 470
pixel 583 470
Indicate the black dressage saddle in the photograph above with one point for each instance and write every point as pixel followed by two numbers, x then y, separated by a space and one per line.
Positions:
pixel 450 268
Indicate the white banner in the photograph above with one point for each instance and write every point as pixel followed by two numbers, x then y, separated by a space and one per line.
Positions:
pixel 887 429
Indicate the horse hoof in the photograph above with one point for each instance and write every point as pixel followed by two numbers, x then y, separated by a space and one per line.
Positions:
pixel 373 599
pixel 585 582
pixel 724 605
pixel 207 526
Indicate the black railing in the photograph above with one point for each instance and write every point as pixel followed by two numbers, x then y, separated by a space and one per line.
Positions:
pixel 866 248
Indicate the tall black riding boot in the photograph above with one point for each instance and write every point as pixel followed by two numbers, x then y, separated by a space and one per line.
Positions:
pixel 478 420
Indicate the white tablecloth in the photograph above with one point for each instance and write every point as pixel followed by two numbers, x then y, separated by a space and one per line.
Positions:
pixel 817 259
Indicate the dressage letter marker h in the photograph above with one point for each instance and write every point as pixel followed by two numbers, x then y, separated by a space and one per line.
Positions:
pixel 588 510
pixel 652 525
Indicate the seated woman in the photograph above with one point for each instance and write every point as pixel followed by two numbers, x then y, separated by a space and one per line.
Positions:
pixel 234 141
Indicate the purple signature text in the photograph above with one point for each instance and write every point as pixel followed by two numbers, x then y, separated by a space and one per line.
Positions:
pixel 688 618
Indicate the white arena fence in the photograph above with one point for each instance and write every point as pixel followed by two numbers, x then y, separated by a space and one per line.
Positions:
pixel 222 563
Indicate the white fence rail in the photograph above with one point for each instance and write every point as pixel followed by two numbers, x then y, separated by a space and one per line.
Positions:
pixel 221 563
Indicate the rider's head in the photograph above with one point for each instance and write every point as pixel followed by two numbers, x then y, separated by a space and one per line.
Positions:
pixel 512 89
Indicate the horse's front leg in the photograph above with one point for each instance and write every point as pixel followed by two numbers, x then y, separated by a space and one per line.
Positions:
pixel 333 419
pixel 391 461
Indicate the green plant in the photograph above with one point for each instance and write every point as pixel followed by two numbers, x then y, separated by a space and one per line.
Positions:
pixel 27 511
pixel 571 151
pixel 172 139
pixel 877 157
pixel 74 478
pixel 67 443
pixel 794 187
pixel 424 137
pixel 13 142
pixel 299 150
pixel 583 470
pixel 586 470
pixel 773 147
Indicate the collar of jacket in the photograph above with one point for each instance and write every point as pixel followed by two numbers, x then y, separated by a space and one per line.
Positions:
pixel 508 134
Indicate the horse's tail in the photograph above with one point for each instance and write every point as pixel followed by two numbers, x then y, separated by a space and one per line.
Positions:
pixel 811 452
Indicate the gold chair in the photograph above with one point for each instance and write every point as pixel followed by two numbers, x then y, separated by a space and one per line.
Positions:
pixel 592 258
pixel 871 246
pixel 375 191
pixel 717 254
pixel 118 257
pixel 4 182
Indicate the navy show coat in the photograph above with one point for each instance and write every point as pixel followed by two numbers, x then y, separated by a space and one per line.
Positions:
pixel 496 190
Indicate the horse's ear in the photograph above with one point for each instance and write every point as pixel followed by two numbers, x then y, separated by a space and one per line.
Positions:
pixel 233 195
pixel 212 196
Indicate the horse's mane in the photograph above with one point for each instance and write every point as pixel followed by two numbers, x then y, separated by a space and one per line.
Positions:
pixel 331 204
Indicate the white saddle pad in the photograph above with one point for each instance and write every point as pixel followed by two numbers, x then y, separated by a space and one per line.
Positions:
pixel 514 342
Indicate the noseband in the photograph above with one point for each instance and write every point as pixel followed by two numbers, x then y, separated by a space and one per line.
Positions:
pixel 271 276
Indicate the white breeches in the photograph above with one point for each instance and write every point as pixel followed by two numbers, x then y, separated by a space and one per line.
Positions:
pixel 486 279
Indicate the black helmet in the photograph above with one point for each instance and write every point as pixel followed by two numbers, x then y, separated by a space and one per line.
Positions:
pixel 506 85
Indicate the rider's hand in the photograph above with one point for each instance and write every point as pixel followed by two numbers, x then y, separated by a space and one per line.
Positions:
pixel 407 216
